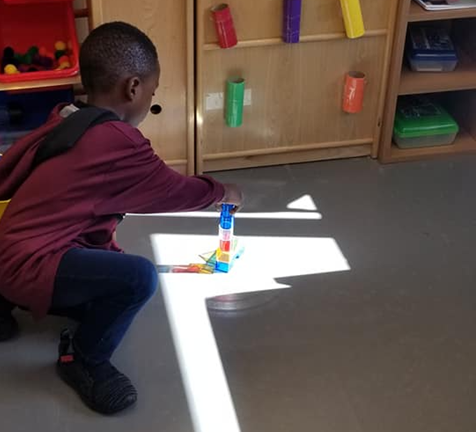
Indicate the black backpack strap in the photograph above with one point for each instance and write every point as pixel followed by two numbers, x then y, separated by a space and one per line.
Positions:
pixel 64 136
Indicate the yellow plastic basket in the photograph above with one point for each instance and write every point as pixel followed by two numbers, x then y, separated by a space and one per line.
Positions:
pixel 3 206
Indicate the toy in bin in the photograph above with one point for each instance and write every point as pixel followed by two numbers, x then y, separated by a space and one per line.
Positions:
pixel 36 59
pixel 38 40
pixel 420 122
pixel 430 49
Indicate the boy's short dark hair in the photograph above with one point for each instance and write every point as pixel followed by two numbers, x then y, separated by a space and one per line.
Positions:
pixel 112 51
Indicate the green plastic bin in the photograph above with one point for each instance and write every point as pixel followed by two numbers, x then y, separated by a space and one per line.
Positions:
pixel 420 122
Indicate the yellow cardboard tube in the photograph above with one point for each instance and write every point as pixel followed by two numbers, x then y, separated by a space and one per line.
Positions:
pixel 3 207
pixel 353 20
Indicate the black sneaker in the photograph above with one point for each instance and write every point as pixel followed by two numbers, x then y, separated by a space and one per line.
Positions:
pixel 101 387
pixel 8 327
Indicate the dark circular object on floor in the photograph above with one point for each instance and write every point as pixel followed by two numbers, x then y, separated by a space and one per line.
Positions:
pixel 240 302
pixel 156 109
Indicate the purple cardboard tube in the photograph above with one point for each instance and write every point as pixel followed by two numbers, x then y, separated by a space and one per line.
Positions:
pixel 292 21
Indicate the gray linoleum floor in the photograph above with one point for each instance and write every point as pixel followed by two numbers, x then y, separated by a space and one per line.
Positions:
pixel 388 346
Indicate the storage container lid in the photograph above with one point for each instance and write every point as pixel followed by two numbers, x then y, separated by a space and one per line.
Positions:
pixel 417 116
pixel 439 57
pixel 429 43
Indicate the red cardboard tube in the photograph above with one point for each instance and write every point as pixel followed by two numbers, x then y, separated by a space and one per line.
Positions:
pixel 354 92
pixel 224 26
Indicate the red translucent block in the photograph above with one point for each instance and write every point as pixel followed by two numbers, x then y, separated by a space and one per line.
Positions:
pixel 225 246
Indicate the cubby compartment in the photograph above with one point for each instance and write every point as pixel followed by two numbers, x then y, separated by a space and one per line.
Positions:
pixel 421 121
pixel 21 112
pixel 463 35
pixel 444 139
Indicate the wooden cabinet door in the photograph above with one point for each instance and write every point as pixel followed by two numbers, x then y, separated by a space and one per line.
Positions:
pixel 169 23
pixel 293 111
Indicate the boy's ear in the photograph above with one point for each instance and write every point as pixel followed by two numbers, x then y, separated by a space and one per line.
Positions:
pixel 132 85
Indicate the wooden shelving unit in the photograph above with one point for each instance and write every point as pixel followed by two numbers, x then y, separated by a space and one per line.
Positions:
pixel 403 81
pixel 29 85
pixel 464 143
pixel 463 78
pixel 171 26
pixel 418 14
pixel 293 113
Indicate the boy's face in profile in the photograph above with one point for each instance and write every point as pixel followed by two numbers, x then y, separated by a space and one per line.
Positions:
pixel 140 93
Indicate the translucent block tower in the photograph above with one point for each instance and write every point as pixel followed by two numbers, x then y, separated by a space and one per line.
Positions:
pixel 226 250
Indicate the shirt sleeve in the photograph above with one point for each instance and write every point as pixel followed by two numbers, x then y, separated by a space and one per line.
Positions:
pixel 138 181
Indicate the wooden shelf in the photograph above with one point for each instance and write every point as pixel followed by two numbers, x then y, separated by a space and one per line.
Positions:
pixel 29 85
pixel 462 78
pixel 325 37
pixel 417 13
pixel 464 143
pixel 81 13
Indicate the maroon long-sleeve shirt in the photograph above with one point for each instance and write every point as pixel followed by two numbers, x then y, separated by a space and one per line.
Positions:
pixel 72 200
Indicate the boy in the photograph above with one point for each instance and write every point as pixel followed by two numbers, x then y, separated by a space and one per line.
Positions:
pixel 57 247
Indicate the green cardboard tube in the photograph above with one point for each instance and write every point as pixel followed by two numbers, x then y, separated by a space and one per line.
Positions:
pixel 235 96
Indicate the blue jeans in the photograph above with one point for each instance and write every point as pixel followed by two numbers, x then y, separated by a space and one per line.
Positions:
pixel 104 291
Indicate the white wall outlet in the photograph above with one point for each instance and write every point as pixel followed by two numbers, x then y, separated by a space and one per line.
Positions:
pixel 248 99
pixel 216 101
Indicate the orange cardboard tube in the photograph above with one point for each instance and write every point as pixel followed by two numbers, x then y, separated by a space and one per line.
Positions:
pixel 354 92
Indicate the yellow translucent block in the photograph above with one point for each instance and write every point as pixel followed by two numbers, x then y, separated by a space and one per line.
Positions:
pixel 353 20
pixel 3 207
pixel 204 269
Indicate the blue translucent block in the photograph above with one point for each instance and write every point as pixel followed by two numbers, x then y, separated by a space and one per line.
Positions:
pixel 226 217
pixel 222 267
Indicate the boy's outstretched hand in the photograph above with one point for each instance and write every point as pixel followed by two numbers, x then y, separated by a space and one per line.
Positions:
pixel 233 195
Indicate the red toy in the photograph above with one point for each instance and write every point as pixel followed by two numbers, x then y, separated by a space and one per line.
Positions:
pixel 224 26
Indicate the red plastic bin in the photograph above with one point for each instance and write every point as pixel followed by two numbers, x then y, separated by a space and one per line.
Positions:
pixel 24 23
